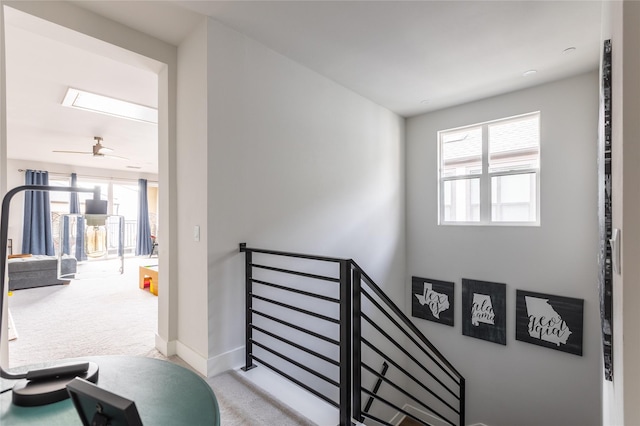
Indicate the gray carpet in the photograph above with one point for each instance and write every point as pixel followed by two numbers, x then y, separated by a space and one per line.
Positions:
pixel 114 317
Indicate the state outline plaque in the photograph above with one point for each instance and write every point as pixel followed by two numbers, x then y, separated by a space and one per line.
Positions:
pixel 555 322
pixel 484 310
pixel 433 300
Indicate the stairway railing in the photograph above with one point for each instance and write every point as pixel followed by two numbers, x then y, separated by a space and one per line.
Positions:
pixel 323 323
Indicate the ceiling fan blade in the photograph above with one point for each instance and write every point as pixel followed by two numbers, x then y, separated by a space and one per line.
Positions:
pixel 117 157
pixel 104 150
pixel 98 150
pixel 73 152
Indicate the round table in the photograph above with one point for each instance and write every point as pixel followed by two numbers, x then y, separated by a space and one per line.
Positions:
pixel 164 394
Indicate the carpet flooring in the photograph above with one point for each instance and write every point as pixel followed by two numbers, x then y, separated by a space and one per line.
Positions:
pixel 113 316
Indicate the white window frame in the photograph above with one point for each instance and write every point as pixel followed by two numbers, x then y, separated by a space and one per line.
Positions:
pixel 485 178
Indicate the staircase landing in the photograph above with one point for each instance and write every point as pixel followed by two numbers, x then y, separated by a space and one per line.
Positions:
pixel 293 396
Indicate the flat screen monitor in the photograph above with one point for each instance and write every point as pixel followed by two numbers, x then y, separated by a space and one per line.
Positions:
pixel 99 407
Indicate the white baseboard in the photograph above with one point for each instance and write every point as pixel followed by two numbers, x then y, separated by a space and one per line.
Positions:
pixel 165 348
pixel 194 359
pixel 230 360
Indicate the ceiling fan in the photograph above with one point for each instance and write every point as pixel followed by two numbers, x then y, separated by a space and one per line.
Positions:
pixel 98 150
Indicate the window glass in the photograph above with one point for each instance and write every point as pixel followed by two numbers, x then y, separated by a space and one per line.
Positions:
pixel 59 200
pixel 514 144
pixel 461 152
pixel 513 198
pixel 489 172
pixel 125 201
pixel 462 200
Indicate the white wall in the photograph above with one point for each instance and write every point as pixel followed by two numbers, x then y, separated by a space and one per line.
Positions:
pixel 191 164
pixel 4 347
pixel 295 163
pixel 518 384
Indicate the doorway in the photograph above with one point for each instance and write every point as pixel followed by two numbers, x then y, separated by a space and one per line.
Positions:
pixel 77 39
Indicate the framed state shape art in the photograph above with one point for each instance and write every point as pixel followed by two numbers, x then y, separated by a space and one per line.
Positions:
pixel 551 321
pixel 484 310
pixel 432 300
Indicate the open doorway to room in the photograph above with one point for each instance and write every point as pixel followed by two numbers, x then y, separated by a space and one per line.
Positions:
pixel 109 315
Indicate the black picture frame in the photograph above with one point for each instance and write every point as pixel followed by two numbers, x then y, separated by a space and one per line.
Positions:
pixel 433 300
pixel 99 407
pixel 555 322
pixel 484 310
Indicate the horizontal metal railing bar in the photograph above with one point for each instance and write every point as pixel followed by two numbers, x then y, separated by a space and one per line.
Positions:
pixel 376 419
pixel 404 318
pixel 244 248
pixel 295 308
pixel 399 389
pixel 296 381
pixel 443 369
pixel 296 363
pixel 406 373
pixel 297 327
pixel 295 290
pixel 395 407
pixel 297 346
pixel 292 272
pixel 411 357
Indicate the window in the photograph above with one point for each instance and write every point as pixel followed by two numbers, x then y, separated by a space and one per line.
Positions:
pixel 123 201
pixel 489 172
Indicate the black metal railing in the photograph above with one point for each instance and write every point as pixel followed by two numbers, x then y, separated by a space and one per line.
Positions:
pixel 322 323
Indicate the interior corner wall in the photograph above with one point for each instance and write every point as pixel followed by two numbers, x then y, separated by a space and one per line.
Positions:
pixel 297 163
pixel 192 167
pixel 520 383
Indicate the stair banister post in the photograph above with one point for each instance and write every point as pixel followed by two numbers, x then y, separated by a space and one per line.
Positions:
pixel 462 401
pixel 345 342
pixel 248 300
pixel 357 357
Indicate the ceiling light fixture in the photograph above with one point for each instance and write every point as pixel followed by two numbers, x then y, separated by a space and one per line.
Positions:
pixel 87 101
pixel 529 73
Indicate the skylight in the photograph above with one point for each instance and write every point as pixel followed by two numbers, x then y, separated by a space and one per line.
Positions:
pixel 105 105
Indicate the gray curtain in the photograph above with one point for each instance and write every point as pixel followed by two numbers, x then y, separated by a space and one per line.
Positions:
pixel 74 208
pixel 143 238
pixel 74 202
pixel 37 237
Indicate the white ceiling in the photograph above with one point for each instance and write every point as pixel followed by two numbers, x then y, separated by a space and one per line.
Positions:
pixel 411 57
pixel 42 62
pixel 399 53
